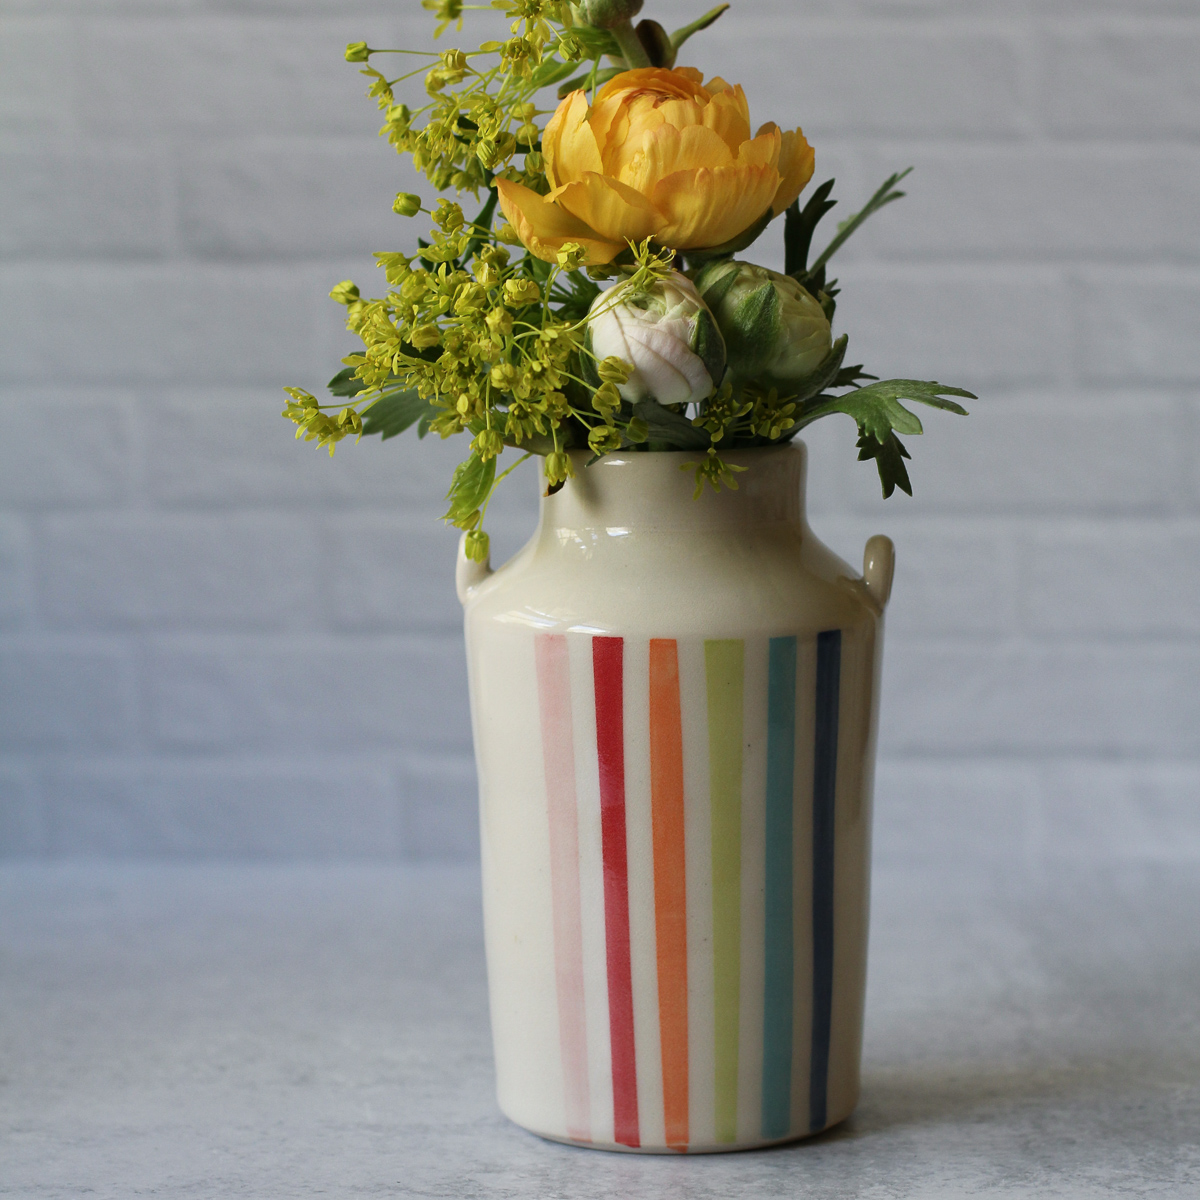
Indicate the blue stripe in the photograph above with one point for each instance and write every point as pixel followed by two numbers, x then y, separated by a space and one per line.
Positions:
pixel 829 662
pixel 777 998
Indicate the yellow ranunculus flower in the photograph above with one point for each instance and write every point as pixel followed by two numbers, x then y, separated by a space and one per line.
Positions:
pixel 659 154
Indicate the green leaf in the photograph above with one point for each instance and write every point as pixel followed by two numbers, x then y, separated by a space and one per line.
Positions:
pixel 849 377
pixel 663 425
pixel 798 227
pixel 394 412
pixel 551 71
pixel 878 412
pixel 877 409
pixel 682 34
pixel 346 383
pixel 889 456
pixel 470 487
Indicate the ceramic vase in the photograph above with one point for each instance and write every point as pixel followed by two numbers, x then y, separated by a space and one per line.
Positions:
pixel 674 707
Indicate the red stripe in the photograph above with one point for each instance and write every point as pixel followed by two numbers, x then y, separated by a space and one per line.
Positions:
pixel 607 665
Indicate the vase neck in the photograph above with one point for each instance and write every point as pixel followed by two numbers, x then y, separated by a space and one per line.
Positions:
pixel 648 490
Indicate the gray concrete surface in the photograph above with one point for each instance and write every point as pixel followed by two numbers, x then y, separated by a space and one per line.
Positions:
pixel 294 1031
pixel 213 640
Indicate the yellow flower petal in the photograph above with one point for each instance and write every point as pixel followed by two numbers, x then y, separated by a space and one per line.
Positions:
pixel 763 150
pixel 568 144
pixel 669 150
pixel 610 206
pixel 796 164
pixel 545 228
pixel 709 206
pixel 729 114
pixel 684 83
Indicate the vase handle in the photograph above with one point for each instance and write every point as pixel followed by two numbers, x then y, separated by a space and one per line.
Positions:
pixel 469 574
pixel 879 561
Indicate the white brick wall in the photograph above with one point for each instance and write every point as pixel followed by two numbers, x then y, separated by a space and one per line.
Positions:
pixel 195 660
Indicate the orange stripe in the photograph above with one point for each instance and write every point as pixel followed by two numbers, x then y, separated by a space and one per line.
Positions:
pixel 670 895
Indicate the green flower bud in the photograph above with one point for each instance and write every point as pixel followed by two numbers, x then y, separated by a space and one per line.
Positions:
pixel 519 292
pixel 774 329
pixel 346 292
pixel 357 52
pixel 448 216
pixel 425 336
pixel 407 204
pixel 475 545
pixel 488 443
pixel 604 14
pixel 559 467
pixel 614 370
pixel 603 439
pixel 637 430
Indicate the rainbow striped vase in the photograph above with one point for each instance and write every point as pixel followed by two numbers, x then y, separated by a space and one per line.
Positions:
pixel 674 706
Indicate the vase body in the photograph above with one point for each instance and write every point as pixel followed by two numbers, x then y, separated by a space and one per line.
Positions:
pixel 674 707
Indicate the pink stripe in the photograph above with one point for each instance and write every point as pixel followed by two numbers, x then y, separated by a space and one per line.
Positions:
pixel 558 753
pixel 608 664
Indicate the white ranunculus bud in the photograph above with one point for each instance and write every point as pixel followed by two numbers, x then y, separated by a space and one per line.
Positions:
pixel 774 328
pixel 668 335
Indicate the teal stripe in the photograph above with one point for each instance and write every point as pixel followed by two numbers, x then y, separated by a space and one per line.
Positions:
pixel 777 999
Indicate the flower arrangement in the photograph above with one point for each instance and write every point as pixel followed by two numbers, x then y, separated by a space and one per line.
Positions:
pixel 601 308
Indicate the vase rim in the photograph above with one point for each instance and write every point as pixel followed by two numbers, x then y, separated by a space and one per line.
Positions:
pixel 652 490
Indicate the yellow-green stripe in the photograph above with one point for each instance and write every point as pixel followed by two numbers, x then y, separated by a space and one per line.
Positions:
pixel 724 664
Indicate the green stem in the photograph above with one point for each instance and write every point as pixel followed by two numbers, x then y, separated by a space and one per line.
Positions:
pixel 631 46
pixel 885 195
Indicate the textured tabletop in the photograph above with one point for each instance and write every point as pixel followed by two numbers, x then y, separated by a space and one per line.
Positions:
pixel 298 1031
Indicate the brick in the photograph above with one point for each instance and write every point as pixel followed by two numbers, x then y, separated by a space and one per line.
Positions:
pixel 999 202
pixel 204 324
pixel 1139 325
pixel 15 592
pixel 221 446
pixel 264 810
pixel 179 571
pixel 1062 698
pixel 353 693
pixel 64 449
pixel 98 200
pixel 55 696
pixel 394 574
pixel 221 74
pixel 957 814
pixel 440 808
pixel 21 833
pixel 246 199
pixel 1135 79
pixel 952 576
pixel 1133 579
pixel 972 326
pixel 870 79
pixel 1118 812
pixel 1037 453
pixel 35 98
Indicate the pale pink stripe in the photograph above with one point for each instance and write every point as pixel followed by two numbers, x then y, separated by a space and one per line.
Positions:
pixel 558 753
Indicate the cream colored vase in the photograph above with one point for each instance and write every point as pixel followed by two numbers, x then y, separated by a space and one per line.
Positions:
pixel 674 704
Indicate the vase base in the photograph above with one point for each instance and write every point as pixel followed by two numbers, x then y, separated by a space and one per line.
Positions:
pixel 701 1148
